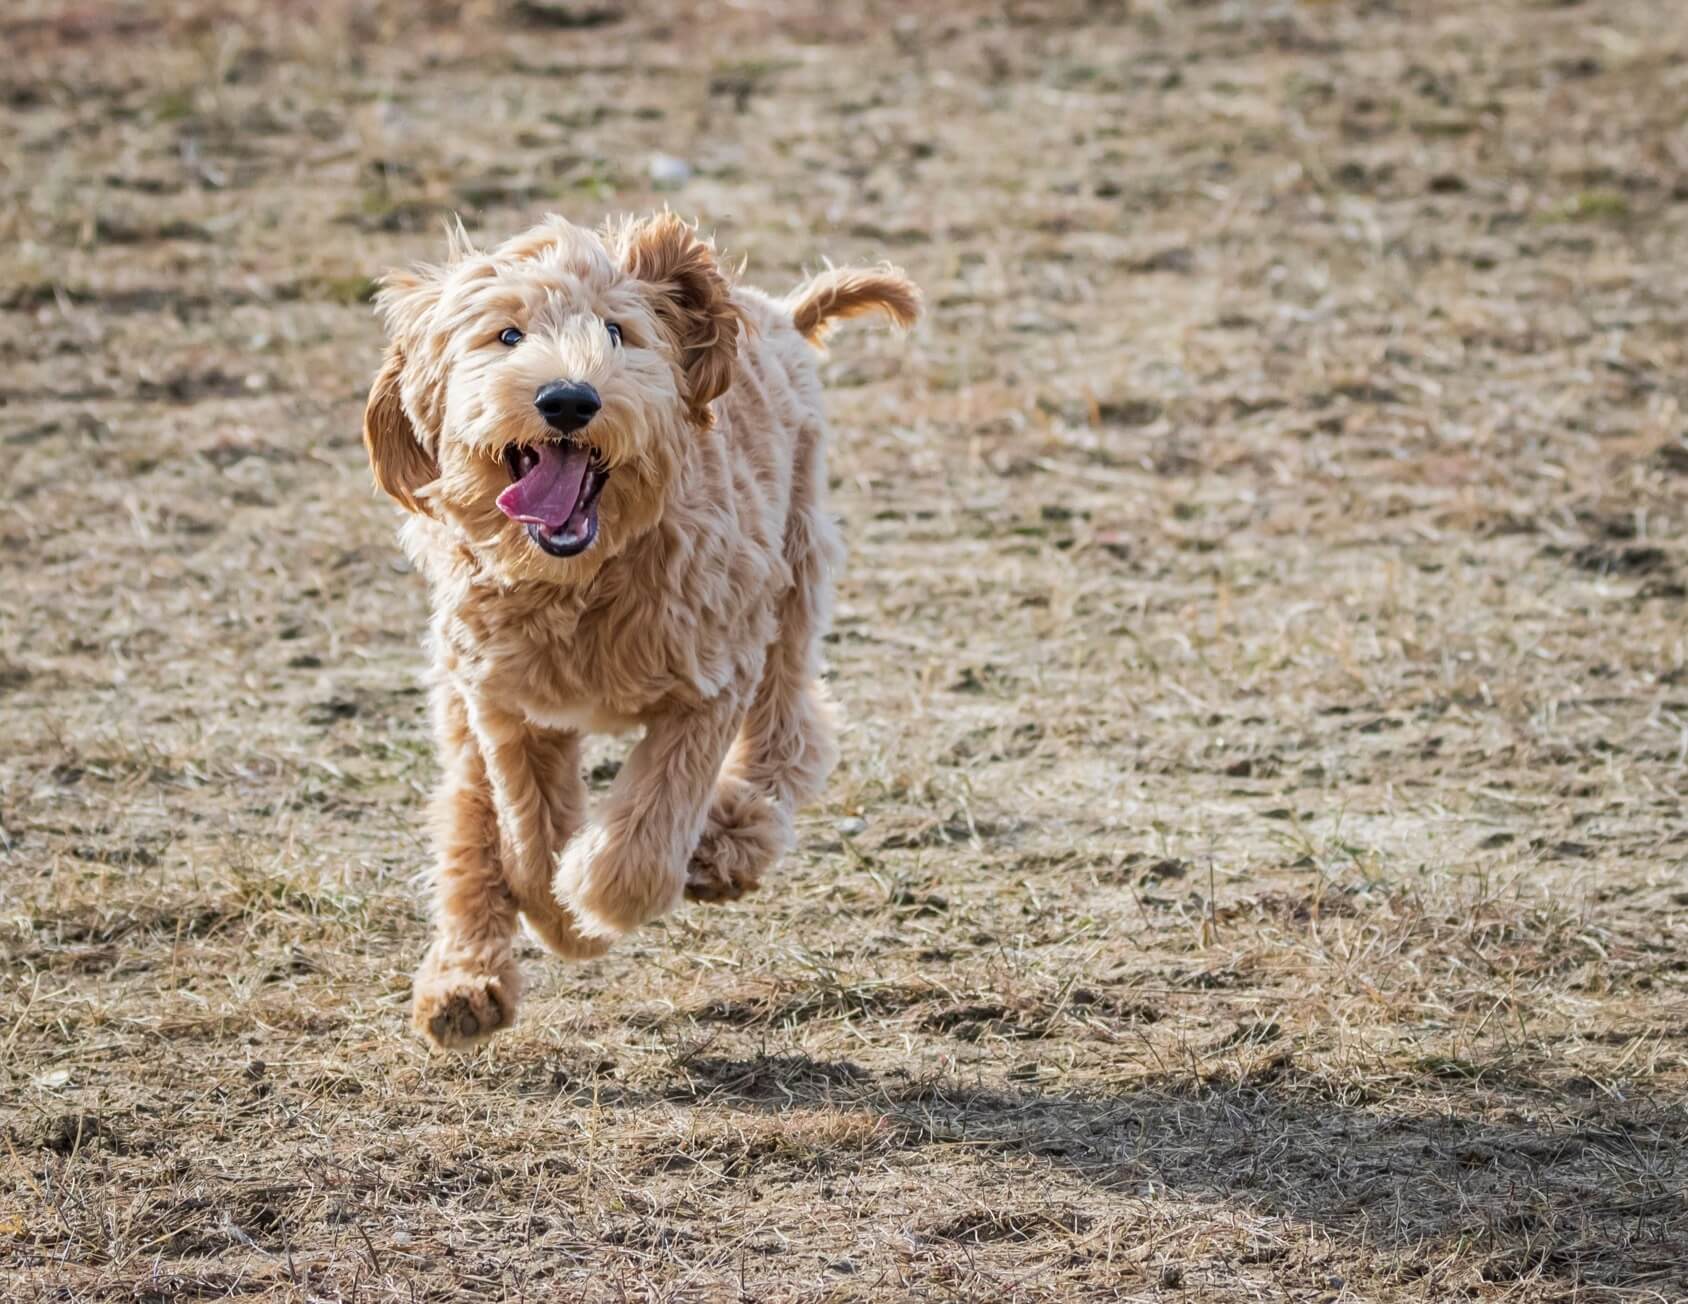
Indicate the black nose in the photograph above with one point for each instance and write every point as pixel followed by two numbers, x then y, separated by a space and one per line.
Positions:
pixel 567 405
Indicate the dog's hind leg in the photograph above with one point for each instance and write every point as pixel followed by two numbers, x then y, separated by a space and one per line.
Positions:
pixel 787 746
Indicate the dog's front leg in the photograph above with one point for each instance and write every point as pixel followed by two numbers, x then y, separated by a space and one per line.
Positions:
pixel 468 985
pixel 629 865
pixel 504 791
pixel 534 777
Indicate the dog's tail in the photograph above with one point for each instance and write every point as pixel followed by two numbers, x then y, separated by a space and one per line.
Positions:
pixel 850 292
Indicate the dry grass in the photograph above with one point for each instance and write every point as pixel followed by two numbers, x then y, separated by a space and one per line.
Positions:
pixel 1257 867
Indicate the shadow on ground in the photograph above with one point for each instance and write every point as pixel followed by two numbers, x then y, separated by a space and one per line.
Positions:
pixel 1564 1182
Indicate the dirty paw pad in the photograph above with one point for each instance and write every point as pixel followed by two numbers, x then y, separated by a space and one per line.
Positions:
pixel 715 879
pixel 458 1012
pixel 746 833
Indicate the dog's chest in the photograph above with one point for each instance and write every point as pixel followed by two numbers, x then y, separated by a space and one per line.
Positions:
pixel 601 671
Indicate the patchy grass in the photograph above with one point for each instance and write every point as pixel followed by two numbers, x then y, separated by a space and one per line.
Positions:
pixel 1256 870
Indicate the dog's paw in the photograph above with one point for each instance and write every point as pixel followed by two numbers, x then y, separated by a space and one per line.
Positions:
pixel 455 1007
pixel 610 886
pixel 720 871
pixel 745 834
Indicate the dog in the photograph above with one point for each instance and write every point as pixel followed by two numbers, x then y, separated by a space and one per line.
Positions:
pixel 612 458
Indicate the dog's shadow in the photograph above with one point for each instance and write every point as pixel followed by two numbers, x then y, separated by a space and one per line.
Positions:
pixel 1572 1184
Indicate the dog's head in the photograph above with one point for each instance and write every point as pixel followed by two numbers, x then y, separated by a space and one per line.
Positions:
pixel 541 397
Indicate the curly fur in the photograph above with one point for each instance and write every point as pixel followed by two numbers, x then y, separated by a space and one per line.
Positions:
pixel 695 616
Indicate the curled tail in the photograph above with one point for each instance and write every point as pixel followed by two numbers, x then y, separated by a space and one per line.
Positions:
pixel 850 292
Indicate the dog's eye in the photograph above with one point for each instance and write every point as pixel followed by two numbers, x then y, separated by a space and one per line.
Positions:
pixel 615 333
pixel 511 337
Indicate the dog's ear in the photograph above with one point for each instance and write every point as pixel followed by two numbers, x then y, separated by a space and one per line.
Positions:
pixel 400 463
pixel 692 300
pixel 397 455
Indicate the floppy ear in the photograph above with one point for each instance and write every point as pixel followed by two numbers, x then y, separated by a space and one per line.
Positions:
pixel 691 301
pixel 400 463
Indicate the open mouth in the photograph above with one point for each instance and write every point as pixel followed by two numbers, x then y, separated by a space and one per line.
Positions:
pixel 554 492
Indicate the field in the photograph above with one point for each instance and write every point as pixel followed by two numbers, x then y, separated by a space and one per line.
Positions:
pixel 1257 866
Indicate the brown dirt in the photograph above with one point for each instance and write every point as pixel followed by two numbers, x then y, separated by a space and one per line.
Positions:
pixel 1257 866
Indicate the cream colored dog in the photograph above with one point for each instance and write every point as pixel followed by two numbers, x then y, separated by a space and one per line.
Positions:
pixel 614 463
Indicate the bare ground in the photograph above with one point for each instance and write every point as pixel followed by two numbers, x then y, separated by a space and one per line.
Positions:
pixel 1256 871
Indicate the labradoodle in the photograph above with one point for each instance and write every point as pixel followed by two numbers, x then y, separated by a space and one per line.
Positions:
pixel 613 460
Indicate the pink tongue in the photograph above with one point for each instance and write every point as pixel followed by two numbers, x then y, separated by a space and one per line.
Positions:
pixel 546 495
